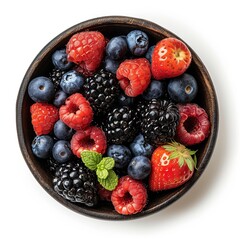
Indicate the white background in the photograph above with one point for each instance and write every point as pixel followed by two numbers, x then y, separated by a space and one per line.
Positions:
pixel 210 209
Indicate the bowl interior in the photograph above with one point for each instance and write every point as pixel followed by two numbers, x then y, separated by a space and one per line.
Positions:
pixel 41 65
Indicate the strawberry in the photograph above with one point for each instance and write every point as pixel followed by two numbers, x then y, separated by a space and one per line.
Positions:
pixel 44 116
pixel 170 58
pixel 172 165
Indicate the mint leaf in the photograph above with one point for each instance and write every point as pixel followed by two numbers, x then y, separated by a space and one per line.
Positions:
pixel 91 159
pixel 110 182
pixel 108 162
pixel 102 173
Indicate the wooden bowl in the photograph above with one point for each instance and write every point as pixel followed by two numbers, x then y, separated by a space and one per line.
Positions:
pixel 41 65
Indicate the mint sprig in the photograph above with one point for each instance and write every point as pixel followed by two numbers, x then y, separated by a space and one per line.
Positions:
pixel 103 167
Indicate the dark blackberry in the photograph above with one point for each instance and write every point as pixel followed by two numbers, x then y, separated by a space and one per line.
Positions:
pixel 56 75
pixel 101 90
pixel 120 125
pixel 159 120
pixel 76 183
pixel 52 165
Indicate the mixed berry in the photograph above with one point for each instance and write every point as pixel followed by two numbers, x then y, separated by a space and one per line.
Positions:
pixel 114 117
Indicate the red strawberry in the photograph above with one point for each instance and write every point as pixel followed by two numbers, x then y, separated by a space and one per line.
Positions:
pixel 172 165
pixel 92 138
pixel 193 126
pixel 130 196
pixel 43 116
pixel 170 58
pixel 86 50
pixel 134 76
pixel 77 112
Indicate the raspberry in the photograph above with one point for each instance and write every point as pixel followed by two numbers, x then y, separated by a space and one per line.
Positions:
pixel 77 112
pixel 92 138
pixel 86 50
pixel 44 116
pixel 134 76
pixel 129 197
pixel 194 125
pixel 104 194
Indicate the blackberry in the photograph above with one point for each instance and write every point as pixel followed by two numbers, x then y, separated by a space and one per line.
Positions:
pixel 76 183
pixel 52 165
pixel 101 90
pixel 159 120
pixel 56 75
pixel 120 125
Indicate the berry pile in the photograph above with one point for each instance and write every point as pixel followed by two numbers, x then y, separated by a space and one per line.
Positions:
pixel 114 118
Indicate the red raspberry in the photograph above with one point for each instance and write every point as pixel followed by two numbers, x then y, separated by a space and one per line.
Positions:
pixel 104 194
pixel 194 125
pixel 43 116
pixel 92 138
pixel 134 76
pixel 129 197
pixel 77 112
pixel 86 50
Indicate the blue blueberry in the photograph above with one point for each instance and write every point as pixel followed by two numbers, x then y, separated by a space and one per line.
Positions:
pixel 117 48
pixel 62 131
pixel 42 146
pixel 71 82
pixel 121 154
pixel 140 147
pixel 41 89
pixel 111 65
pixel 137 41
pixel 59 98
pixel 149 53
pixel 183 89
pixel 124 100
pixel 155 89
pixel 61 151
pixel 139 167
pixel 59 60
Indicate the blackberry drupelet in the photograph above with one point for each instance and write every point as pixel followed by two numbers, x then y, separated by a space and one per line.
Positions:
pixel 120 125
pixel 159 120
pixel 76 183
pixel 56 75
pixel 101 90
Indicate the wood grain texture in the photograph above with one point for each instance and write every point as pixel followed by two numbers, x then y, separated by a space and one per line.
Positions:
pixel 110 26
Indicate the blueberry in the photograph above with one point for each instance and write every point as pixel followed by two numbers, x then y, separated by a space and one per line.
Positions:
pixel 140 147
pixel 149 53
pixel 59 98
pixel 59 60
pixel 155 89
pixel 62 131
pixel 117 48
pixel 41 89
pixel 124 100
pixel 71 82
pixel 183 89
pixel 137 41
pixel 111 65
pixel 139 167
pixel 121 154
pixel 42 146
pixel 61 151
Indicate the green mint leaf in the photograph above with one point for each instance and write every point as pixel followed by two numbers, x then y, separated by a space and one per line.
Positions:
pixel 110 182
pixel 91 159
pixel 102 173
pixel 108 162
